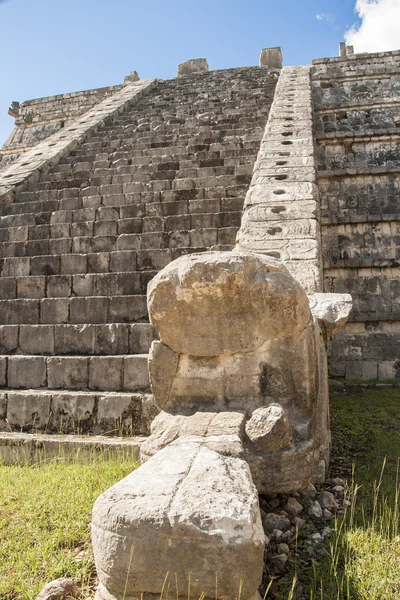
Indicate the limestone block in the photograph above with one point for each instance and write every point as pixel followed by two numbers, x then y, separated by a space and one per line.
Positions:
pixel 130 414
pixel 106 372
pixel 131 78
pixel 163 364
pixel 195 65
pixel 269 429
pixel 68 372
pixel 26 371
pixel 27 410
pixel 224 302
pixel 271 57
pixel 186 507
pixel 136 374
pixel 331 311
pixel 36 340
pixel 72 410
pixel 167 427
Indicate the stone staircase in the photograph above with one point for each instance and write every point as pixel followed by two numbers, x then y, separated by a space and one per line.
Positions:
pixel 166 177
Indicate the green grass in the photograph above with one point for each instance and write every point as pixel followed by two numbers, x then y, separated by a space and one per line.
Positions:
pixel 45 514
pixel 362 561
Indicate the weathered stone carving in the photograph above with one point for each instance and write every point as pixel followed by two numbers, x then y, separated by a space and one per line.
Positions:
pixel 271 57
pixel 240 377
pixel 195 65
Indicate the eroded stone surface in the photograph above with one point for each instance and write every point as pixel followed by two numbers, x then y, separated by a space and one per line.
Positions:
pixel 268 429
pixel 205 508
pixel 218 303
pixel 331 311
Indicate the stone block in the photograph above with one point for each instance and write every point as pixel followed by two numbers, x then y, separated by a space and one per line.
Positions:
pixel 28 410
pixel 36 339
pixel 31 287
pixel 45 265
pixel 88 310
pixel 353 369
pixel 136 374
pixel 111 338
pixel 16 267
pixel 74 339
pixel 197 495
pixel 8 288
pixel 54 310
pixel 59 286
pixel 122 414
pixel 72 412
pixel 19 311
pixel 386 370
pixel 369 370
pixel 8 338
pixel 26 372
pixel 194 65
pixel 271 57
pixel 141 335
pixel 73 263
pixel 268 429
pixel 67 372
pixel 207 323
pixel 106 373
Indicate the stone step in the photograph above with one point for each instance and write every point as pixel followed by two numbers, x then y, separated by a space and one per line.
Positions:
pixel 67 411
pixel 103 339
pixel 125 373
pixel 105 195
pixel 145 174
pixel 82 284
pixel 33 448
pixel 119 159
pixel 37 238
pixel 74 311
pixel 139 205
pixel 176 241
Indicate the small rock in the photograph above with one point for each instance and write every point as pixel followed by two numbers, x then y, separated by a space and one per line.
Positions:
pixel 293 507
pixel 264 505
pixel 317 537
pixel 285 537
pixel 58 589
pixel 273 521
pixel 327 532
pixel 346 503
pixel 277 533
pixel 315 510
pixel 274 503
pixel 310 492
pixel 337 481
pixel 279 561
pixel 327 514
pixel 327 500
pixel 283 549
pixel 269 428
pixel 298 522
pixel 338 489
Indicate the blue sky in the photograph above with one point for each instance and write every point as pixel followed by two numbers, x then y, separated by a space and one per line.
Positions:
pixel 55 46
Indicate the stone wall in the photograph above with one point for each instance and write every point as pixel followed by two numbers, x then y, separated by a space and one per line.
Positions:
pixel 357 120
pixel 37 119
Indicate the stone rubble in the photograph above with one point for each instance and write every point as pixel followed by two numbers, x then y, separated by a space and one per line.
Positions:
pixel 307 533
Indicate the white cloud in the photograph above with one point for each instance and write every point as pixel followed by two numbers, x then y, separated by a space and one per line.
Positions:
pixel 379 28
pixel 325 17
